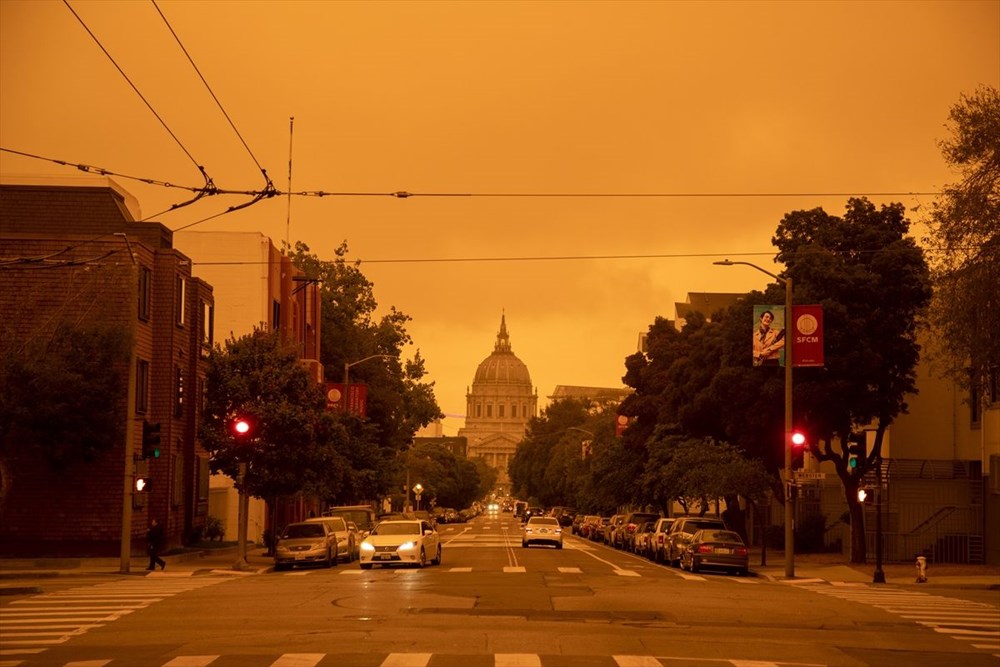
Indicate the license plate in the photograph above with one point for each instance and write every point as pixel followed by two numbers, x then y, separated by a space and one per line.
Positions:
pixel 300 556
pixel 723 551
pixel 384 556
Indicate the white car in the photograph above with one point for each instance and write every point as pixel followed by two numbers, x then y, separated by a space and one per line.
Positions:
pixel 542 529
pixel 401 542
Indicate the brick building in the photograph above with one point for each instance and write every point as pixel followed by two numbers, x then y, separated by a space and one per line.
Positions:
pixel 73 255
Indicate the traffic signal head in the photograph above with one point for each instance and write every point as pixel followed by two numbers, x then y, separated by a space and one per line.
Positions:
pixel 798 438
pixel 150 440
pixel 866 495
pixel 241 427
pixel 141 484
pixel 855 450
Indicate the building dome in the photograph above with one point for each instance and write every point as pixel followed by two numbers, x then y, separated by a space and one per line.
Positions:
pixel 503 366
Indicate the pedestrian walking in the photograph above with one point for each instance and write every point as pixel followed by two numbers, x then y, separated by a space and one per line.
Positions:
pixel 154 542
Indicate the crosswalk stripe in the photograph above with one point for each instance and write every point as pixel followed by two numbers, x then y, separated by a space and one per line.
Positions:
pixel 406 660
pixel 636 661
pixel 191 661
pixel 298 660
pixel 517 660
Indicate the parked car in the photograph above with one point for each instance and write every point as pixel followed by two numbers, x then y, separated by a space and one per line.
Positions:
pixel 363 517
pixel 659 538
pixel 542 530
pixel 599 530
pixel 577 526
pixel 643 539
pixel 682 530
pixel 347 539
pixel 722 549
pixel 401 542
pixel 612 535
pixel 630 527
pixel 305 543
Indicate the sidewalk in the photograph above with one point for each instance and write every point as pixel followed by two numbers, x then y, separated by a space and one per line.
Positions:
pixel 15 571
pixel 835 568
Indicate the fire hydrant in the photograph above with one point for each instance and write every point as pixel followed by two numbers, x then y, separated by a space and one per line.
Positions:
pixel 921 570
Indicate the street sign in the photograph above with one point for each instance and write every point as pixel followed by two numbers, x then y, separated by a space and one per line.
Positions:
pixel 810 475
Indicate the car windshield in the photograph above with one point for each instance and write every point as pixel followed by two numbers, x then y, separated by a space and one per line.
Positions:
pixel 337 524
pixel 407 528
pixel 297 530
pixel 543 521
pixel 359 516
pixel 721 536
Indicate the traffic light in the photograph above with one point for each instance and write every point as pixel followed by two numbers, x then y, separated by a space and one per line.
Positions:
pixel 141 484
pixel 855 450
pixel 150 440
pixel 866 495
pixel 140 477
pixel 242 428
pixel 798 444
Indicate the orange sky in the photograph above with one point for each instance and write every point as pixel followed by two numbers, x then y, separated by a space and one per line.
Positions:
pixel 821 99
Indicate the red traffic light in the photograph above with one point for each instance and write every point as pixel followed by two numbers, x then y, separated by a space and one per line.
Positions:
pixel 241 427
pixel 798 438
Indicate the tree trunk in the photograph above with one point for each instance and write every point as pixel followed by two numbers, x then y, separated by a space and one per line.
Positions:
pixel 858 547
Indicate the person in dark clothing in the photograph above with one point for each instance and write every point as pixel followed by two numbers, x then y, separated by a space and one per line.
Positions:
pixel 154 542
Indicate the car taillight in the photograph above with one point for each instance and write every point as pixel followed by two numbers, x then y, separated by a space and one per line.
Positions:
pixel 741 551
pixel 659 538
pixel 704 549
pixel 630 528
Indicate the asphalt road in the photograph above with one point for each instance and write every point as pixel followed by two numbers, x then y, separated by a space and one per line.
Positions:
pixel 492 603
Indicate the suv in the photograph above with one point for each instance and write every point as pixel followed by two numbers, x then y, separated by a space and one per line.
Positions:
pixel 682 530
pixel 658 541
pixel 633 523
pixel 363 517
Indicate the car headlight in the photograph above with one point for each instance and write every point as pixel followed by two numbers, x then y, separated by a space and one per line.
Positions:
pixel 365 546
pixel 406 546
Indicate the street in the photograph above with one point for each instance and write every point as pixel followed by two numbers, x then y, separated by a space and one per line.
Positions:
pixel 492 602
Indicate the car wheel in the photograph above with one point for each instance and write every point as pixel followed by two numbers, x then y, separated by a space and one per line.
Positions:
pixel 743 572
pixel 422 560
pixel 279 567
pixel 328 563
pixel 524 545
pixel 437 558
pixel 694 565
pixel 366 566
pixel 559 546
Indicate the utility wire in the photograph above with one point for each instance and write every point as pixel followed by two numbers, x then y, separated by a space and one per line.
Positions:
pixel 268 184
pixel 208 181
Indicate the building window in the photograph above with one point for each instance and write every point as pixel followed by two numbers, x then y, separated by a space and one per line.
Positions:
pixel 489 409
pixel 145 292
pixel 203 475
pixel 479 409
pixel 141 386
pixel 179 303
pixel 500 410
pixel 178 391
pixel 275 315
pixel 207 325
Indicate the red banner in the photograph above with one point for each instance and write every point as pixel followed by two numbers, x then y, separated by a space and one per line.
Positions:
pixel 356 399
pixel 807 336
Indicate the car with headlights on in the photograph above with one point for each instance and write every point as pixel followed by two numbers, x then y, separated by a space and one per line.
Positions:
pixel 401 542
pixel 542 530
pixel 721 549
pixel 305 543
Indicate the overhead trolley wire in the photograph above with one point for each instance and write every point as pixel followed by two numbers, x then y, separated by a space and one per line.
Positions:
pixel 208 181
pixel 269 186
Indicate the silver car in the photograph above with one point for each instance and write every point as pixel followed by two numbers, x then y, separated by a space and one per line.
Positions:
pixel 347 540
pixel 542 530
pixel 305 543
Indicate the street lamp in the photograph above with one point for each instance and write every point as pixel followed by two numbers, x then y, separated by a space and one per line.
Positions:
pixel 789 510
pixel 417 490
pixel 347 367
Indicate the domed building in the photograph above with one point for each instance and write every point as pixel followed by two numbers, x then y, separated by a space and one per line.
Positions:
pixel 498 407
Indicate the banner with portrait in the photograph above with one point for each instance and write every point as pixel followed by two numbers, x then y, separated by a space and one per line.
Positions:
pixel 769 336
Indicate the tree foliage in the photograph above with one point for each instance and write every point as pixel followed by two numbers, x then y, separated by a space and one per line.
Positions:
pixel 295 444
pixel 965 227
pixel 448 480
pixel 399 401
pixel 62 397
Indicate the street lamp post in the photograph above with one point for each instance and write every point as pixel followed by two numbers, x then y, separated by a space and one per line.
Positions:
pixel 347 382
pixel 789 509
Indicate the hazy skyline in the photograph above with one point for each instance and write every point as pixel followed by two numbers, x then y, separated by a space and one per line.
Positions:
pixel 728 115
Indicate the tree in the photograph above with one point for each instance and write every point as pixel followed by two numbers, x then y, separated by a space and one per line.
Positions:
pixel 62 397
pixel 294 444
pixel 399 402
pixel 965 229
pixel 448 481
pixel 874 285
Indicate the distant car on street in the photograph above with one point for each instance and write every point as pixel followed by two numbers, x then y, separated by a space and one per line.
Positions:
pixel 682 530
pixel 717 549
pixel 305 543
pixel 542 530
pixel 363 517
pixel 347 537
